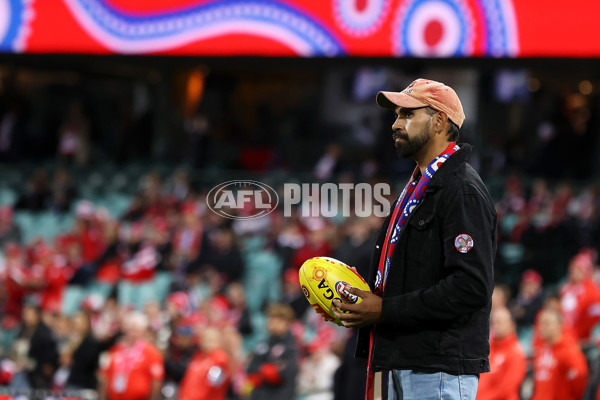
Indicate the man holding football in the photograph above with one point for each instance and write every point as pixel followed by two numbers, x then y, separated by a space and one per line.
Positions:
pixel 426 321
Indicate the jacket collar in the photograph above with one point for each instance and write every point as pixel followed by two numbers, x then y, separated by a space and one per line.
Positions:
pixel 450 165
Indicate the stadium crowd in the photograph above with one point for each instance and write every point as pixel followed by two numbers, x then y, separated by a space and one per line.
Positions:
pixel 171 300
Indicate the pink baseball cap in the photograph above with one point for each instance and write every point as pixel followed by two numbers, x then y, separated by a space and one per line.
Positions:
pixel 423 93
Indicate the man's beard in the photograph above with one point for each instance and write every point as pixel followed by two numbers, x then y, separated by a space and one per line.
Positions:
pixel 409 147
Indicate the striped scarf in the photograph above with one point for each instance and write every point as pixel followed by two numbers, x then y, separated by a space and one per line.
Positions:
pixel 409 199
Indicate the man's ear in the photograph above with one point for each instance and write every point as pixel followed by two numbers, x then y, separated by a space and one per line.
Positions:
pixel 441 122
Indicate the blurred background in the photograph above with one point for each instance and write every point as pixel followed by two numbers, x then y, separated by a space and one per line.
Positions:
pixel 118 116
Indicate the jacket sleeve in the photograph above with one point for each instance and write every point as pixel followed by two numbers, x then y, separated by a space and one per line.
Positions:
pixel 574 373
pixel 468 283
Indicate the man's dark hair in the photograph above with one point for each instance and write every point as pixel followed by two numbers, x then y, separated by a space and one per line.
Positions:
pixel 453 130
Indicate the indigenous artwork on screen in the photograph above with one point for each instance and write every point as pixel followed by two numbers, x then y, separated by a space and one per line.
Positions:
pixel 305 28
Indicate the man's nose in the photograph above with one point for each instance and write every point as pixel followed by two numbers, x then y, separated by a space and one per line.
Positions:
pixel 397 125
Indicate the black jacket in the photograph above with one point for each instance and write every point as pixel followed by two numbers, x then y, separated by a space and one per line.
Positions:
pixel 43 350
pixel 280 351
pixel 85 364
pixel 437 300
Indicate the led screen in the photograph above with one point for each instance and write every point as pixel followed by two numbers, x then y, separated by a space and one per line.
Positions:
pixel 304 28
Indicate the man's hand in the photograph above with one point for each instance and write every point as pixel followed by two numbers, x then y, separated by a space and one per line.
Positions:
pixel 367 312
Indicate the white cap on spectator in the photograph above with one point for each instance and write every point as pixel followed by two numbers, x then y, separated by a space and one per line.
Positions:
pixel 137 319
pixel 85 209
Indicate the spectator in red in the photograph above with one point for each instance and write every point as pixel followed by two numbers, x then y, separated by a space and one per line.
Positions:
pixel 138 269
pixel 54 274
pixel 16 277
pixel 529 298
pixel 134 367
pixel 89 236
pixel 141 258
pixel 316 245
pixel 178 306
pixel 580 297
pixel 207 376
pixel 273 366
pixel 508 364
pixel 537 342
pixel 560 367
pixel 235 309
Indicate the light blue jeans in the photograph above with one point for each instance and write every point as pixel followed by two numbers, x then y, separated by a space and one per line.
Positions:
pixel 411 385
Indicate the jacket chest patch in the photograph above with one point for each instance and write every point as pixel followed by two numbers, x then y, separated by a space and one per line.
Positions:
pixel 463 243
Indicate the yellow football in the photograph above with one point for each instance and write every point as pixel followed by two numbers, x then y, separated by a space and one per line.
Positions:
pixel 324 279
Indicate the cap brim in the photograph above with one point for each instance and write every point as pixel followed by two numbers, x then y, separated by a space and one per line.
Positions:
pixel 391 100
